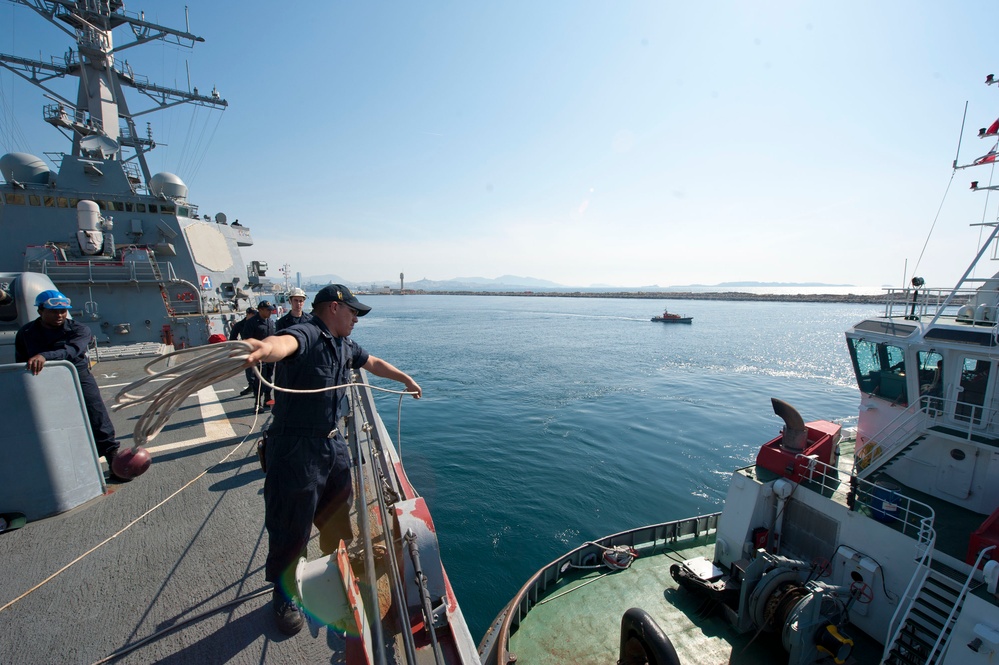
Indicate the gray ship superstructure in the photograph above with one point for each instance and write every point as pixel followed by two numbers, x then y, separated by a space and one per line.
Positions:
pixel 127 246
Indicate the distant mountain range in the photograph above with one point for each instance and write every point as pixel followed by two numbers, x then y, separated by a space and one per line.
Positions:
pixel 517 283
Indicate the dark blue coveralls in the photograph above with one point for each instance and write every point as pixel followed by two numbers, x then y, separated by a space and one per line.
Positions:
pixel 308 471
pixel 70 343
pixel 286 321
pixel 235 333
pixel 259 328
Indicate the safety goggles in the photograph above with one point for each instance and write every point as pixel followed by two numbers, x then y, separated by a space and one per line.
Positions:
pixel 56 303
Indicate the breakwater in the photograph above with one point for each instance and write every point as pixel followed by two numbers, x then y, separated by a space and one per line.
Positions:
pixel 850 298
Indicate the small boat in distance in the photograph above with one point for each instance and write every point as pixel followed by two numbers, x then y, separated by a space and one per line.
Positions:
pixel 668 317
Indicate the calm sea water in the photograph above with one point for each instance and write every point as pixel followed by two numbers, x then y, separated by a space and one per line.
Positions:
pixel 546 422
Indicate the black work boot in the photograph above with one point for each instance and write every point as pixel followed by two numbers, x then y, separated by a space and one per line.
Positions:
pixel 289 616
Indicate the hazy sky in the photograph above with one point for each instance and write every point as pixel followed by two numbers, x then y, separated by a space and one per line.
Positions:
pixel 621 143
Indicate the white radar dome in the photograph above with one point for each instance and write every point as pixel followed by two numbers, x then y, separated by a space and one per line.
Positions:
pixel 24 168
pixel 168 185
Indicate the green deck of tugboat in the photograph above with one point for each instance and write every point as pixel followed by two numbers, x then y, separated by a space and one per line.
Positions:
pixel 578 620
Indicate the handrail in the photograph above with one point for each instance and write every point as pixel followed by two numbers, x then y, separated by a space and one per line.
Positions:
pixel 911 513
pixel 959 601
pixel 908 599
pixel 364 527
pixel 927 409
pixel 875 446
pixel 950 296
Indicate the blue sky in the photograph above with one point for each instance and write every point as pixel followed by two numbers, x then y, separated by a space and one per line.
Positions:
pixel 619 143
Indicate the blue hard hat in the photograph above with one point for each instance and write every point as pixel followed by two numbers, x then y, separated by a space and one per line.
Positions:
pixel 52 299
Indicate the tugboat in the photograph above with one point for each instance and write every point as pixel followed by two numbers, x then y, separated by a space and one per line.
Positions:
pixel 668 317
pixel 879 545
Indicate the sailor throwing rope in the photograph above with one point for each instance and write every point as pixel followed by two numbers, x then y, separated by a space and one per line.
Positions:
pixel 308 465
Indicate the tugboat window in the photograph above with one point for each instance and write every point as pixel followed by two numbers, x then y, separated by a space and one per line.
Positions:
pixel 974 383
pixel 930 373
pixel 880 370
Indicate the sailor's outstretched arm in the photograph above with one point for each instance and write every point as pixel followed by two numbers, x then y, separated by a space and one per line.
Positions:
pixel 387 370
pixel 271 349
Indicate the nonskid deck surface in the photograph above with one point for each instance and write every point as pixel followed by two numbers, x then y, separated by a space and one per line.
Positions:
pixel 80 586
pixel 579 620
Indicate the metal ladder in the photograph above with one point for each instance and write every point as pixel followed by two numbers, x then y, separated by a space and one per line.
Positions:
pixel 926 627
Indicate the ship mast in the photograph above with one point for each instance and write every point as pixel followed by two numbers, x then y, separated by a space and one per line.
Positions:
pixel 286 271
pixel 93 118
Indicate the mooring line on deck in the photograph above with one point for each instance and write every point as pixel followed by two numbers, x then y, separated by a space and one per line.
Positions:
pixel 133 522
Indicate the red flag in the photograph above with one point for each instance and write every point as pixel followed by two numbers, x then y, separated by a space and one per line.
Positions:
pixel 987 158
pixel 993 129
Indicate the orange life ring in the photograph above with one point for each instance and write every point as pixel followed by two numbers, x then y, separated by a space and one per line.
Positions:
pixel 186 296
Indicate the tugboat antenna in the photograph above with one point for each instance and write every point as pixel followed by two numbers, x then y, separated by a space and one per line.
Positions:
pixel 963 120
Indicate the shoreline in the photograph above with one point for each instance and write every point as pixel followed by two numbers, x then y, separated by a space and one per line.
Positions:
pixel 850 298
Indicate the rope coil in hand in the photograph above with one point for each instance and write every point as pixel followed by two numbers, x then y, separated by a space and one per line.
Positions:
pixel 206 365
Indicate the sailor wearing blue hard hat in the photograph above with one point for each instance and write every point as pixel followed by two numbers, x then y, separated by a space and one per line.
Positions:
pixel 55 336
pixel 52 299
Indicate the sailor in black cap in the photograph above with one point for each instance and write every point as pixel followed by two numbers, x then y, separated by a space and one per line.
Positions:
pixel 308 464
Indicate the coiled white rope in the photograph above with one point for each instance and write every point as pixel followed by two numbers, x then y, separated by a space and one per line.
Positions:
pixel 618 557
pixel 206 365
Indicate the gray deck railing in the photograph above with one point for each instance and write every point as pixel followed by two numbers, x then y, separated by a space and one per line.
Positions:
pixel 97 272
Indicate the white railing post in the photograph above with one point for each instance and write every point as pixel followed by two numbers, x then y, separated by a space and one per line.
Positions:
pixel 912 590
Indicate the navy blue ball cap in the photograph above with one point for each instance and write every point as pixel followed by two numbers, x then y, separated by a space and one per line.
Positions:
pixel 340 293
pixel 265 303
